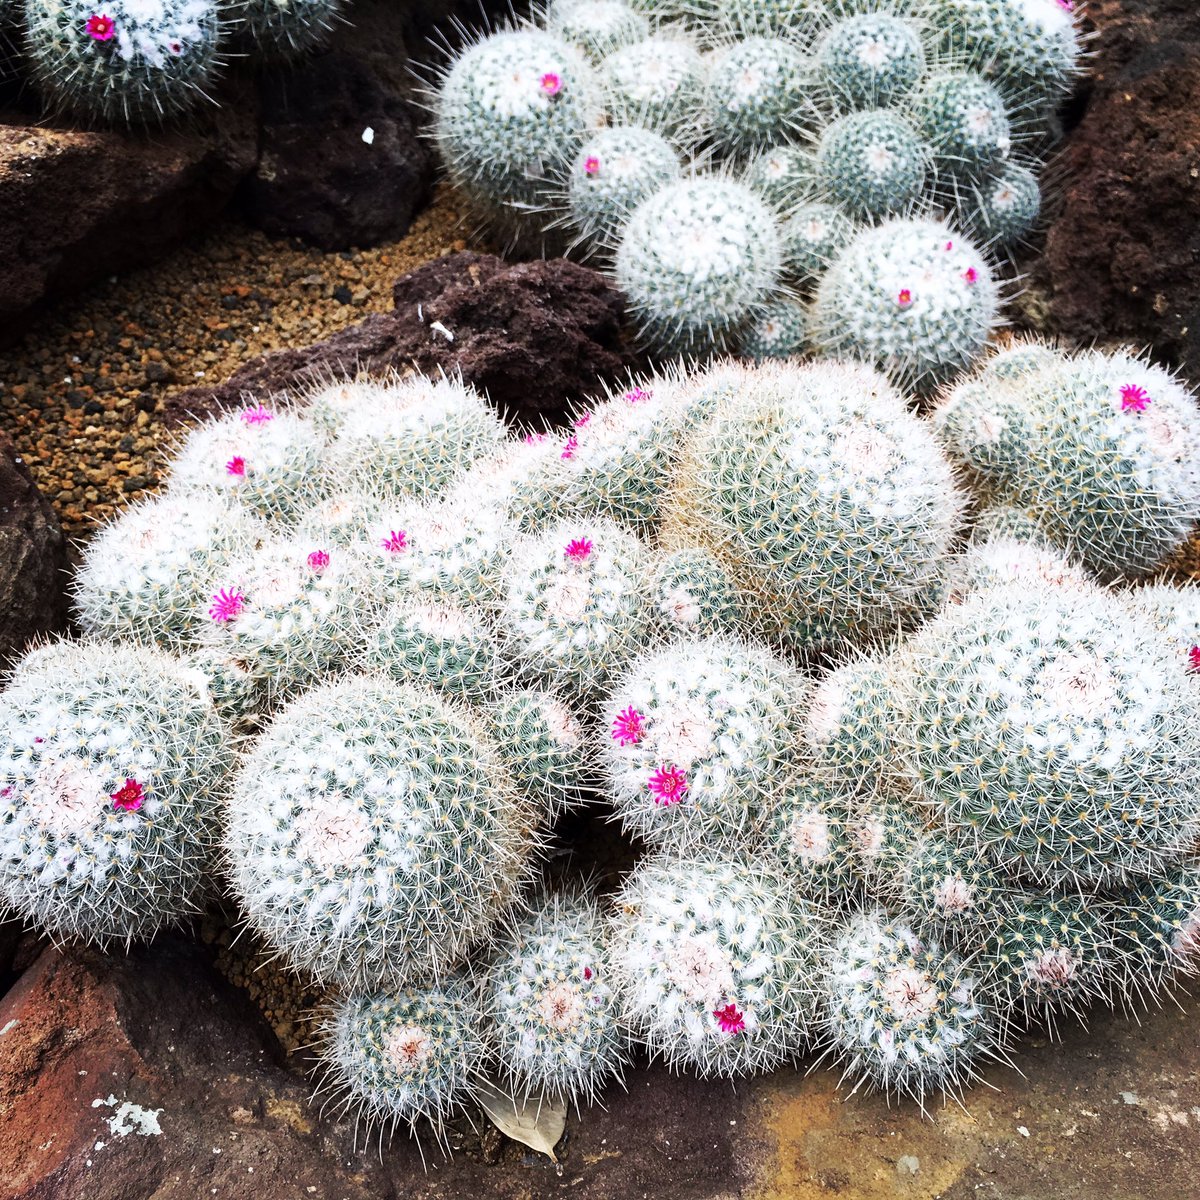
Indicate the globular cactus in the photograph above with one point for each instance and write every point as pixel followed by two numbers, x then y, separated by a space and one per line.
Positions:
pixel 284 29
pixel 550 1005
pixel 1025 562
pixel 404 1057
pixel 963 119
pixel 691 593
pixel 825 499
pixel 697 262
pixel 1002 207
pixel 779 331
pixel 237 692
pixel 597 27
pixel 869 60
pixel 871 163
pixel 902 1014
pixel 146 575
pixel 517 484
pixel 779 174
pixel 374 834
pixel 813 234
pixel 914 297
pixel 340 519
pixel 807 834
pixel 948 890
pixel 1172 609
pixel 576 607
pixel 113 765
pixel 660 83
pixel 124 60
pixel 543 744
pixel 327 406
pixel 274 462
pixel 1044 724
pixel 715 964
pixel 884 831
pixel 699 740
pixel 741 17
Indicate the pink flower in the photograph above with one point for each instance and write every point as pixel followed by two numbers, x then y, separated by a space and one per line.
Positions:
pixel 129 796
pixel 637 395
pixel 100 28
pixel 1194 659
pixel 395 541
pixel 949 245
pixel 534 439
pixel 551 84
pixel 627 728
pixel 904 297
pixel 578 549
pixel 235 466
pixel 587 972
pixel 1069 5
pixel 668 785
pixel 591 167
pixel 257 415
pixel 318 560
pixel 730 1018
pixel 569 447
pixel 1134 398
pixel 226 605
pixel 971 275
pixel 581 421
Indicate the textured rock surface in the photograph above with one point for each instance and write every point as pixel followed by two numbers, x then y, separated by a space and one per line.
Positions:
pixel 1122 253
pixel 533 336
pixel 33 558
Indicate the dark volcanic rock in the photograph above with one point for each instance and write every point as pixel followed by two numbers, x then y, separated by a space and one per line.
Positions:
pixel 33 558
pixel 533 336
pixel 1123 252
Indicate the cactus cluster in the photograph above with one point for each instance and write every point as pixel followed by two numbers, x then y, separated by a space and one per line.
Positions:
pixel 688 148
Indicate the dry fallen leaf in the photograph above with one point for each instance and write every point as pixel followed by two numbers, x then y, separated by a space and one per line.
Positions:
pixel 535 1121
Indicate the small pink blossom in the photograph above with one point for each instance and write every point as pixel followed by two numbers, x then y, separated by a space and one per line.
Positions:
pixel 551 83
pixel 1069 5
pixel 569 447
pixel 582 420
pixel 730 1018
pixel 904 297
pixel 101 28
pixel 627 727
pixel 637 395
pixel 1134 398
pixel 38 741
pixel 129 796
pixel 668 785
pixel 226 604
pixel 318 560
pixel 257 415
pixel 395 542
pixel 587 972
pixel 949 245
pixel 591 167
pixel 236 466
pixel 971 275
pixel 1194 659
pixel 534 439
pixel 578 549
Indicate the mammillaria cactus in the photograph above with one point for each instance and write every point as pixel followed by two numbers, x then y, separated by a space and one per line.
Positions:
pixel 660 83
pixel 813 234
pixel 597 27
pixel 137 61
pixel 1001 208
pixel 869 60
pixel 282 29
pixel 962 118
pixel 374 834
pixel 693 594
pixel 757 93
pixel 699 740
pixel 884 830
pixel 904 1015
pixel 715 964
pixel 808 834
pixel 948 890
pixel 871 163
pixel 113 765
pixel 550 1004
pixel 779 174
pixel 779 331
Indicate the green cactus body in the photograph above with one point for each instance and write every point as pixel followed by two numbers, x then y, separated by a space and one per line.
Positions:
pixel 808 834
pixel 948 890
pixel 520 482
pixel 1002 207
pixel 285 29
pixel 963 118
pixel 113 765
pixel 597 27
pixel 813 235
pixel 871 163
pixel 758 93
pixel 341 519
pixel 692 594
pixel 779 331
pixel 1001 560
pixel 869 60
pixel 660 83
pixel 794 18
pixel 781 175
pixel 1174 610
pixel 884 832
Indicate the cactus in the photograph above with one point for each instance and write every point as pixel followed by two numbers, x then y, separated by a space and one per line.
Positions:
pixel 597 27
pixel 714 962
pixel 691 593
pixel 787 17
pixel 807 833
pixel 575 609
pixel 962 117
pixel 1003 559
pixel 285 29
pixel 124 60
pixel 780 331
pixel 913 297
pixel 948 890
pixel 813 234
pixel 1044 724
pixel 236 692
pixel 660 83
pixel 550 1004
pixel 519 482
pixel 1174 611
pixel 871 163
pixel 780 174
pixel 1002 207
pixel 374 835
pixel 145 577
pixel 884 831
pixel 699 739
pixel 341 519
pixel 403 1057
pixel 869 60
pixel 698 261
pixel 904 1015
pixel 112 771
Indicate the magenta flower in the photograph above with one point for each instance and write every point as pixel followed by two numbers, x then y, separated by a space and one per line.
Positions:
pixel 1069 5
pixel 534 439
pixel 551 84
pixel 569 447
pixel 637 395
pixel 1194 659
pixel 668 785
pixel 235 466
pixel 582 420
pixel 627 727
pixel 395 541
pixel 730 1018
pixel 226 605
pixel 904 298
pixel 1134 398
pixel 578 549
pixel 587 972
pixel 949 245
pixel 257 415
pixel 971 275
pixel 318 560
pixel 129 796
pixel 591 166
pixel 100 28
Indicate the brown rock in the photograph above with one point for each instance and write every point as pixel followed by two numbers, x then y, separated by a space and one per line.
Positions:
pixel 1121 254
pixel 33 558
pixel 533 337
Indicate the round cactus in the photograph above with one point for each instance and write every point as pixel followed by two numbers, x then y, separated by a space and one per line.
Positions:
pixel 1004 206
pixel 517 484
pixel 780 175
pixel 597 27
pixel 884 832
pixel 146 575
pixel 948 890
pixel 813 234
pixel 341 519
pixel 715 964
pixel 284 29
pixel 550 1006
pixel 374 835
pixel 869 60
pixel 1172 609
pixel 808 835
pixel 124 60
pixel 779 331
pixel 913 297
pixel 660 83
pixel 691 593
pixel 1028 563
pixel 871 163
pixel 112 770
pixel 236 691
pixel 699 740
pixel 742 17
pixel 963 118
pixel 904 1015
pixel 697 262
pixel 404 1057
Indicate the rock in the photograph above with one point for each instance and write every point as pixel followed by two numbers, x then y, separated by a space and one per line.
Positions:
pixel 534 337
pixel 33 558
pixel 1121 252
